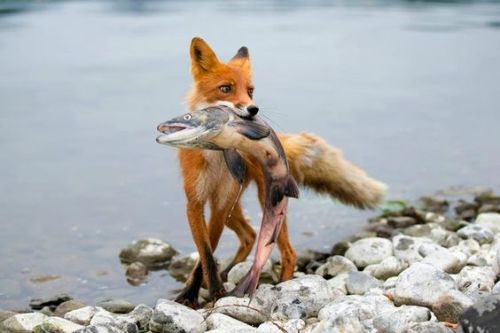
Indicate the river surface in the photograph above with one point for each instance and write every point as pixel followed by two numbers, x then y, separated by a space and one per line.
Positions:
pixel 408 90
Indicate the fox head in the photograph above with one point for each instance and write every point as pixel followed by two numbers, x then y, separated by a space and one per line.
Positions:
pixel 215 82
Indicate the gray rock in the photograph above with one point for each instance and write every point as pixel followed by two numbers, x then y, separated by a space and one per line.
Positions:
pixel 116 305
pixel 241 269
pixel 81 316
pixel 442 258
pixel 477 232
pixel 349 308
pixel 369 251
pixel 399 319
pixel 124 323
pixel 472 278
pixel 429 327
pixel 341 325
pixel 434 232
pixel 312 290
pixel 289 307
pixel 401 221
pixel 390 266
pixel 482 316
pixel 340 248
pixel 182 265
pixel 406 248
pixel 68 306
pixel 422 284
pixel 290 326
pixel 141 315
pixel 221 321
pixel 22 322
pixel 151 252
pixel 242 309
pixel 334 266
pixel 490 221
pixel 172 317
pixel 99 329
pixel 467 247
pixel 358 283
pixel 450 306
pixel 339 282
pixel 57 325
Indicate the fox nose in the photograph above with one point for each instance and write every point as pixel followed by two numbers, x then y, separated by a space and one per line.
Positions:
pixel 252 109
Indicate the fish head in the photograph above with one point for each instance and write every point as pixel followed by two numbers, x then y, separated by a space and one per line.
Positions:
pixel 194 129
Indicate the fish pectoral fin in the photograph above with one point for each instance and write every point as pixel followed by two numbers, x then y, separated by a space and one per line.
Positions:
pixel 251 129
pixel 291 188
pixel 235 164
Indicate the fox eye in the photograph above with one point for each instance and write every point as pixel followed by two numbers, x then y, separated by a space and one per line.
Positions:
pixel 226 89
pixel 187 117
pixel 250 92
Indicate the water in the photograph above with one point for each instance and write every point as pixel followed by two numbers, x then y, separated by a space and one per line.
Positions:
pixel 409 90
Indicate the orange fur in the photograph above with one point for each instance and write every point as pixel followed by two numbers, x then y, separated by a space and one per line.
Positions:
pixel 313 163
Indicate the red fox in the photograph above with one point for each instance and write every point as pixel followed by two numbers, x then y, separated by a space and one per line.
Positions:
pixel 313 163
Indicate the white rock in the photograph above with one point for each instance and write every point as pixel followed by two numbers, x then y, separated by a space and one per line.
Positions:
pixel 429 327
pixel 473 279
pixel 406 248
pixel 99 329
pixel 241 269
pixel 496 288
pixel 335 265
pixel 57 325
pixel 389 267
pixel 123 322
pixel 221 321
pixel 467 247
pixel 81 316
pixel 477 232
pixel 338 282
pixel 399 319
pixel 312 290
pixel 242 309
pixel 489 220
pixel 367 251
pixel 358 283
pixel 289 307
pixel 450 306
pixel 22 323
pixel 422 284
pixel 290 326
pixel 169 316
pixel 442 258
pixel 350 308
pixel 150 252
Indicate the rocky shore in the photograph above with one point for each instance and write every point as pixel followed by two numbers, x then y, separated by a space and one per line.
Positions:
pixel 431 267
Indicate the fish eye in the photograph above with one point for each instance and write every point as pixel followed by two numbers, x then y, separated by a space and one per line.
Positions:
pixel 187 117
pixel 226 89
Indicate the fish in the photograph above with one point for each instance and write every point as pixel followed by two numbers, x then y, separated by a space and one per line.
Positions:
pixel 220 128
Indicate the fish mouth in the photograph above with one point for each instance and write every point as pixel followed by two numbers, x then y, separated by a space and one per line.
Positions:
pixel 179 134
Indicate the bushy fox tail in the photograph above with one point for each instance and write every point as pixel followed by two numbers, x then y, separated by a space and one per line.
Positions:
pixel 316 164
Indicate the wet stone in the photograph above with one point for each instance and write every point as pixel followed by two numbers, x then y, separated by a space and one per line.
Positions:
pixel 151 252
pixel 182 265
pixel 116 306
pixel 39 303
pixel 340 248
pixel 68 306
pixel 136 273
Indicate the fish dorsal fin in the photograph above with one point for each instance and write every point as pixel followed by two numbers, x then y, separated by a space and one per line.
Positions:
pixel 251 129
pixel 235 164
pixel 291 188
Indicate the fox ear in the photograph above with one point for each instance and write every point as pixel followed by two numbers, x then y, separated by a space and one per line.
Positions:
pixel 241 58
pixel 203 59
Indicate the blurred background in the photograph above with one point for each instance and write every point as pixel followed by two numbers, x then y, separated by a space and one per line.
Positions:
pixel 409 90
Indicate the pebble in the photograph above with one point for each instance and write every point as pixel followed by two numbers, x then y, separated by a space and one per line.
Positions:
pixel 406 248
pixel 222 321
pixel 4 314
pixel 442 258
pixel 116 305
pixel 99 329
pixel 289 307
pixel 482 316
pixel 151 252
pixel 241 269
pixel 389 267
pixel 39 303
pixel 429 327
pixel 57 325
pixel 369 251
pixel 172 317
pixel 339 283
pixel 136 273
pixel 477 232
pixel 358 283
pixel 422 284
pixel 489 220
pixel 350 308
pixel 68 306
pixel 334 266
pixel 290 326
pixel 22 323
pixel 451 305
pixel 399 319
pixel 124 323
pixel 472 278
pixel 81 316
pixel 182 265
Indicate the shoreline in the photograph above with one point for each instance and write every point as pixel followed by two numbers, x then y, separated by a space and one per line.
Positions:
pixel 430 267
